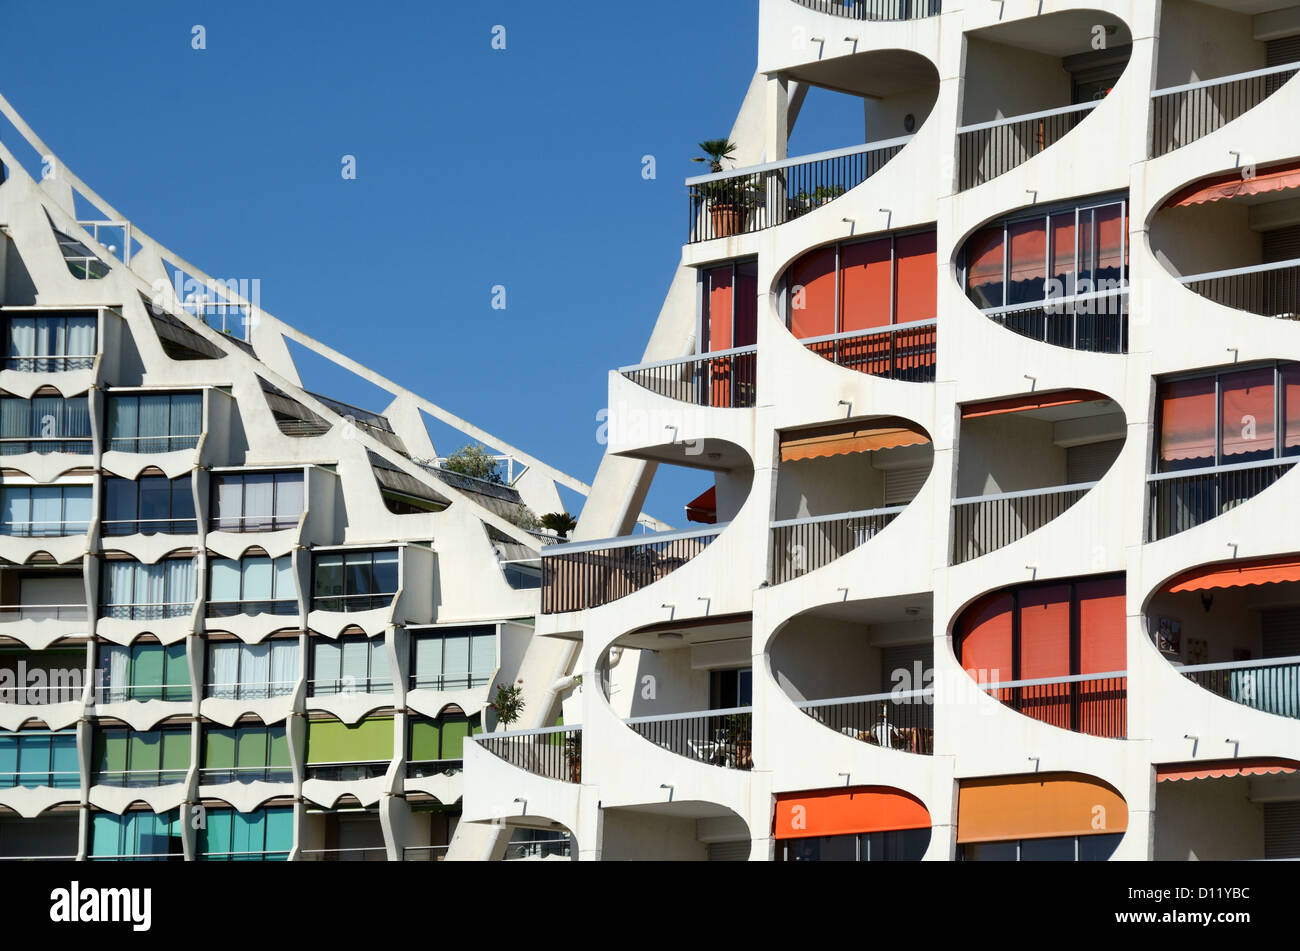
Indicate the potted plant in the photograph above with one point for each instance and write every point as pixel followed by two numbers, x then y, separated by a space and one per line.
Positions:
pixel 573 754
pixel 729 199
pixel 508 703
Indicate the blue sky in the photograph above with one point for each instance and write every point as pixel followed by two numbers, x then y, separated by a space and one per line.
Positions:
pixel 475 168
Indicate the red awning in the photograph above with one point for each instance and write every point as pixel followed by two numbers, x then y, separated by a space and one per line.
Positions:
pixel 1243 574
pixel 1022 404
pixel 1234 185
pixel 855 810
pixel 1224 769
pixel 704 509
pixel 841 439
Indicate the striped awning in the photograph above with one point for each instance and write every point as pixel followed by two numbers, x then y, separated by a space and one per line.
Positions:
pixel 1236 185
pixel 1225 769
pixel 1242 574
pixel 889 433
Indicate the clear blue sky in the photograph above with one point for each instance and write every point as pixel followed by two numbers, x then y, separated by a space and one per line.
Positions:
pixel 475 168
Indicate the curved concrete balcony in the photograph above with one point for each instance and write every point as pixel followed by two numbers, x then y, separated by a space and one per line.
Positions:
pixel 269 702
pixel 1095 704
pixel 903 352
pixel 902 720
pixel 31 801
pixel 442 779
pixel 723 738
pixel 498 789
pixel 246 788
pixel 983 524
pixel 37 626
pixel 1182 500
pixel 1183 113
pixel 552 753
pixel 875 10
pixel 725 379
pixel 141 714
pixel 800 545
pixel 326 783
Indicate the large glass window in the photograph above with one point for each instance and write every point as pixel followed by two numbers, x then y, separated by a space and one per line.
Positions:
pixel 45 424
pixel 149 505
pixel 38 758
pixel 44 510
pixel 863 285
pixel 352 664
pixel 137 836
pixel 154 422
pixel 144 671
pixel 1048 256
pixel 454 659
pixel 256 501
pixel 134 591
pixel 1079 848
pixel 730 301
pixel 906 845
pixel 254 584
pixel 436 745
pixel 264 835
pixel 239 671
pixel 354 580
pixel 50 343
pixel 132 759
pixel 245 754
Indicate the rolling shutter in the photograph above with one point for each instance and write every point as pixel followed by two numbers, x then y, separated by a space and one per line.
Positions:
pixel 905 657
pixel 1282 830
pixel 729 851
pixel 902 485
pixel 1281 244
pixel 331 741
pixel 1089 462
pixel 1281 630
pixel 1281 51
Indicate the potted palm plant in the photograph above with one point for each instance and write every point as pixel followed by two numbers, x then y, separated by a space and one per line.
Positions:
pixel 728 199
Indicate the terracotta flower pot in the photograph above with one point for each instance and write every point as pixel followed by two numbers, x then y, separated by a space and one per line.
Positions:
pixel 725 219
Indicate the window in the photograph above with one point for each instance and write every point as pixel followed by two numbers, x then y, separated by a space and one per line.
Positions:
pixel 907 845
pixel 44 510
pixel 245 754
pixel 264 835
pixel 139 836
pixel 154 422
pixel 352 664
pixel 454 659
pixel 337 752
pixel 45 424
pixel 50 343
pixel 255 584
pixel 1079 848
pixel 354 580
pixel 730 306
pixel 436 745
pixel 133 759
pixel 239 671
pixel 149 505
pixel 146 671
pixel 1052 256
pixel 133 591
pixel 731 688
pixel 256 501
pixel 39 758
pixel 860 286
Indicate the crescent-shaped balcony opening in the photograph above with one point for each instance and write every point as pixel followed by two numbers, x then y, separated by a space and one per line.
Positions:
pixel 1029 82
pixel 1057 274
pixel 589 574
pixel 42 593
pixel 1025 460
pixel 126 758
pixel 879 690
pixel 1233 629
pixel 840 485
pixel 1234 238
pixel 870 305
pixel 1238 809
pixel 342 835
pixel 1201 88
pixel 53 836
pixel 1221 438
pixel 1053 651
pixel 674 831
pixel 33 678
pixel 687 687
pixel 896 91
pixel 1041 817
pixel 36 757
pixel 875 10
pixel 858 824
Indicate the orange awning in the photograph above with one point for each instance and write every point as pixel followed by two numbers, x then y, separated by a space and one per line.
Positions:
pixel 1241 574
pixel 804 815
pixel 1039 806
pixel 1224 769
pixel 1023 404
pixel 840 440
pixel 1233 185
pixel 704 509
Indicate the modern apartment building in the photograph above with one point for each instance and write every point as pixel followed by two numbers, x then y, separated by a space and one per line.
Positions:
pixel 239 620
pixel 993 411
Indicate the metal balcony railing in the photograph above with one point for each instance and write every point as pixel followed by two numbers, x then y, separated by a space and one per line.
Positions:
pixel 901 352
pixel 1269 290
pixel 716 737
pixel 898 721
pixel 352 602
pixel 986 150
pixel 1178 501
pixel 228 775
pixel 43 612
pixel 725 379
pixel 147 612
pixel 583 575
pixel 552 846
pixel 1094 323
pixel 801 545
pixel 985 523
pixel 162 442
pixel 56 363
pixel 425 853
pixel 553 752
pixel 251 690
pixel 48 529
pixel 878 10
pixel 1096 704
pixel 467 681
pixel 40 778
pixel 279 607
pixel 140 778
pixel 424 769
pixel 343 686
pixel 1182 114
pixel 347 772
pixel 1271 685
pixel 374 853
pixel 150 526
pixel 64 686
pixel 16 445
pixel 254 523
pixel 745 200
pixel 122 693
